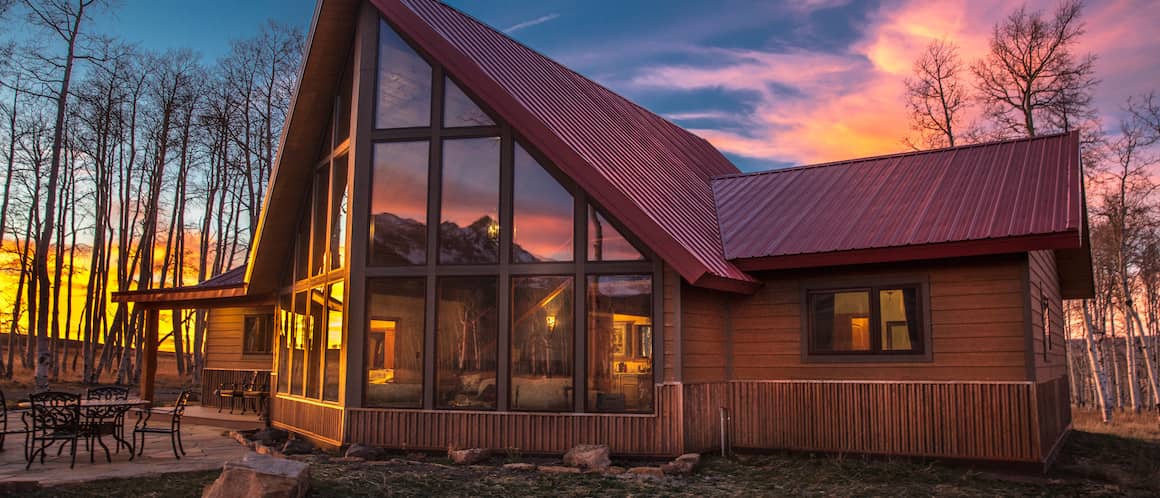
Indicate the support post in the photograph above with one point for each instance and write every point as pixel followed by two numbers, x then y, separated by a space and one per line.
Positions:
pixel 149 370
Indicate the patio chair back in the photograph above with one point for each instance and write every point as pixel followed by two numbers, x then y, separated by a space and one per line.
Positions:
pixel 179 408
pixel 55 411
pixel 107 393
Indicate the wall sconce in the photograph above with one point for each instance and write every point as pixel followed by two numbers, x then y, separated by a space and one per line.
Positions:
pixel 551 323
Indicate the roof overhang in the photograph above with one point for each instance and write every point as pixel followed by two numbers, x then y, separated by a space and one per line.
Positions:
pixel 190 297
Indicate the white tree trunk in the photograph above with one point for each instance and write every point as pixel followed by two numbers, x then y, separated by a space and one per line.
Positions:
pixel 1099 380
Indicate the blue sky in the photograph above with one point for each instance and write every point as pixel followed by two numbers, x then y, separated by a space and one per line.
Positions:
pixel 769 83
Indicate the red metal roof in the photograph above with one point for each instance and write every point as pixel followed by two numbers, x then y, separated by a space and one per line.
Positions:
pixel 651 174
pixel 1011 196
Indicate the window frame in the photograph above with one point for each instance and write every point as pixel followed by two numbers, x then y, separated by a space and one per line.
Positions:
pixel 246 330
pixel 1045 326
pixel 873 284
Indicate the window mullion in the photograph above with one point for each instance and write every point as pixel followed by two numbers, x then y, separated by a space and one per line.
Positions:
pixel 503 360
pixel 580 303
pixel 875 322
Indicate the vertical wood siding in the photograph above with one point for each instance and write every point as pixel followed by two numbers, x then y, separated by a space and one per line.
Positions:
pixel 315 420
pixel 988 421
pixel 214 378
pixel 528 432
pixel 1054 413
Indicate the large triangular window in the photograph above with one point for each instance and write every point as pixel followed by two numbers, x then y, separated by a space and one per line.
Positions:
pixel 542 213
pixel 459 110
pixel 404 84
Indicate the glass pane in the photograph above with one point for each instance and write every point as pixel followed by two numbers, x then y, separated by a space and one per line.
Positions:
pixel 467 331
pixel 285 333
pixel 338 209
pixel 314 340
pixel 541 369
pixel 900 328
pixel 394 358
pixel 605 243
pixel 332 356
pixel 399 204
pixel 469 231
pixel 404 83
pixel 542 213
pixel 302 249
pixel 459 109
pixel 256 330
pixel 342 128
pixel 298 342
pixel 840 321
pixel 619 369
pixel 318 219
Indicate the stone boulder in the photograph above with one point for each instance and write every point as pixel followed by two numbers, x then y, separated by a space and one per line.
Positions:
pixel 519 467
pixel 558 469
pixel 684 464
pixel 588 456
pixel 469 456
pixel 270 436
pixel 366 452
pixel 298 447
pixel 260 476
pixel 649 472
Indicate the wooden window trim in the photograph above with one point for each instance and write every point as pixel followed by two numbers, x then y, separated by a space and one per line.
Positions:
pixel 873 284
pixel 245 330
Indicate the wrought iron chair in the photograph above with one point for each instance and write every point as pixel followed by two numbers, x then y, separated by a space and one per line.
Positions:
pixel 56 417
pixel 117 414
pixel 255 392
pixel 174 429
pixel 5 429
pixel 234 393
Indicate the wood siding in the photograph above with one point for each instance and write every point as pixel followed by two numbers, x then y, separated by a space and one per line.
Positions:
pixel 212 379
pixel 962 420
pixel 1044 284
pixel 1054 414
pixel 671 295
pixel 318 421
pixel 223 340
pixel 555 433
pixel 705 344
pixel 976 313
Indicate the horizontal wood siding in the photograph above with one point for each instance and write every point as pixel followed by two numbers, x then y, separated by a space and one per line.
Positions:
pixel 1054 406
pixel 976 314
pixel 528 432
pixel 223 340
pixel 989 421
pixel 1044 282
pixel 212 379
pixel 670 285
pixel 312 419
pixel 704 346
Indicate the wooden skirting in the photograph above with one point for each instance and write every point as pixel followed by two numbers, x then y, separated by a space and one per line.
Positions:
pixel 1053 405
pixel 213 378
pixel 316 420
pixel 527 432
pixel 961 420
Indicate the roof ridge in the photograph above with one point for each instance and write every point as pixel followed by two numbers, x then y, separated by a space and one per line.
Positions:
pixel 847 162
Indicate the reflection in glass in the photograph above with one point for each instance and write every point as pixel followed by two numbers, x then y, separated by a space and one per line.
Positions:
pixel 342 127
pixel 899 309
pixel 318 220
pixel 541 343
pixel 459 109
pixel 333 346
pixel 399 204
pixel 619 370
pixel 300 328
pixel 467 331
pixel 394 351
pixel 542 213
pixel 317 332
pixel 469 231
pixel 404 92
pixel 605 243
pixel 840 321
pixel 302 249
pixel 285 333
pixel 338 209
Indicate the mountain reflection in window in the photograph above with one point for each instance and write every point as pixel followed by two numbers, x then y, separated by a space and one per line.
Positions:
pixel 469 231
pixel 399 204
pixel 542 224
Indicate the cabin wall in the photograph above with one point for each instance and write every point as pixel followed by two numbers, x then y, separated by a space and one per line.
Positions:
pixel 223 340
pixel 1050 359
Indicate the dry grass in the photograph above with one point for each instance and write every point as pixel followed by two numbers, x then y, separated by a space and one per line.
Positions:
pixel 169 384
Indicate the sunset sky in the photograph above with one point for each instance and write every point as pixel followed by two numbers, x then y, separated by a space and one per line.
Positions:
pixel 769 83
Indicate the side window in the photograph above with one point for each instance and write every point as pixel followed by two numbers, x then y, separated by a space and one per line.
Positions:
pixel 258 334
pixel 871 321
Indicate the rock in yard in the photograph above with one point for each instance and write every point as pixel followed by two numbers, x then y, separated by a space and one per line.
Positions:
pixel 270 436
pixel 467 457
pixel 365 452
pixel 298 447
pixel 557 469
pixel 521 467
pixel 614 470
pixel 262 449
pixel 588 456
pixel 260 476
pixel 647 472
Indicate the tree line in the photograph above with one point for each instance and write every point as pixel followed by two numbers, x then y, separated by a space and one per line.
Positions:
pixel 1033 80
pixel 125 168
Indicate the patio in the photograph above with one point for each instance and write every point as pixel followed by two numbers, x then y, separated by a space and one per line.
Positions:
pixel 207 448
